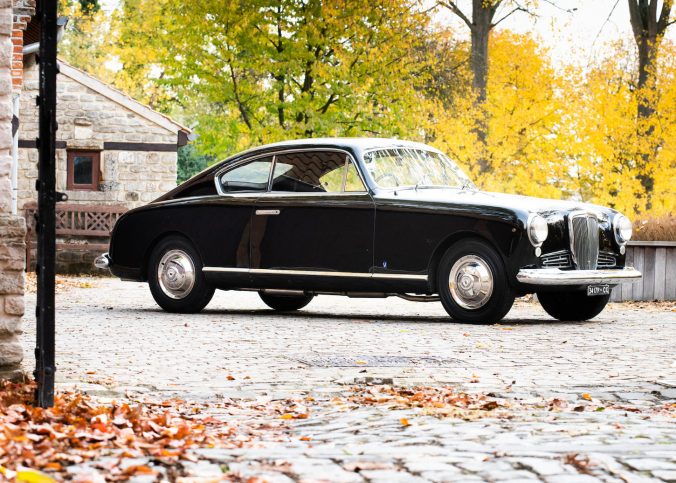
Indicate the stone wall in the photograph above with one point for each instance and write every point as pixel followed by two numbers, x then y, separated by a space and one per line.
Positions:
pixel 12 283
pixel 12 228
pixel 87 120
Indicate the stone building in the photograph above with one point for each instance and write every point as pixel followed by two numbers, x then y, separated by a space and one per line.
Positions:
pixel 110 148
pixel 14 17
pixel 113 153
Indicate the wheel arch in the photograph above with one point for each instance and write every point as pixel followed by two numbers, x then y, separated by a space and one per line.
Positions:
pixel 145 261
pixel 449 241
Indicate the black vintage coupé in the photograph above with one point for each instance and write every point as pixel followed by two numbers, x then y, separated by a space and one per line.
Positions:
pixel 368 218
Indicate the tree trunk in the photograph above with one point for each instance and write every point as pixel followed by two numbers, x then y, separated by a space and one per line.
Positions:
pixel 648 26
pixel 482 16
pixel 482 23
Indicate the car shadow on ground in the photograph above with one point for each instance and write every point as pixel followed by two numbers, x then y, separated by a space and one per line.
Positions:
pixel 271 315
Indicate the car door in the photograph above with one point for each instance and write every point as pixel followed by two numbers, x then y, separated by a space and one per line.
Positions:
pixel 317 217
pixel 229 227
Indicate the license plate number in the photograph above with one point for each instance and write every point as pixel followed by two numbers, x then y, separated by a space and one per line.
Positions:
pixel 593 290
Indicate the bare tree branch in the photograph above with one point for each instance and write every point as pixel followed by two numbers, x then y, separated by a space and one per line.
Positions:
pixel 567 10
pixel 517 9
pixel 451 5
pixel 332 99
pixel 598 34
pixel 652 13
pixel 663 22
pixel 635 17
pixel 240 105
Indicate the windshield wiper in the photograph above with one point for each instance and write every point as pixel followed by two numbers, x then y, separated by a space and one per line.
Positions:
pixel 430 186
pixel 467 184
pixel 423 187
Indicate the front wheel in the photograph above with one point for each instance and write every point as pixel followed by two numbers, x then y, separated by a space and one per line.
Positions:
pixel 472 284
pixel 573 306
pixel 175 277
pixel 285 303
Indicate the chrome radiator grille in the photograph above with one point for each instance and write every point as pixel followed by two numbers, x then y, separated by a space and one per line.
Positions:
pixel 607 260
pixel 556 259
pixel 562 260
pixel 584 240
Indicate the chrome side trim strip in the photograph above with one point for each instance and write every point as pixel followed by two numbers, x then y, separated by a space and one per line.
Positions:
pixel 271 195
pixel 400 276
pixel 556 276
pixel 270 271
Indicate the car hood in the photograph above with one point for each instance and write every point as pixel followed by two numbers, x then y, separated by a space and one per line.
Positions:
pixel 523 205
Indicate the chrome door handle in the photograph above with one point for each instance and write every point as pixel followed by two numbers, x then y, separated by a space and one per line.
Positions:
pixel 267 212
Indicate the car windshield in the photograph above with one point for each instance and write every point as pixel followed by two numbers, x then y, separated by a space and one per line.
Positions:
pixel 414 168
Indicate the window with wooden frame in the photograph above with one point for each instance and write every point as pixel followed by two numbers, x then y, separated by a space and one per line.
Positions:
pixel 83 170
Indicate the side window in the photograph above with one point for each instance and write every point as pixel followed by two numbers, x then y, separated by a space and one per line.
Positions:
pixel 315 172
pixel 249 177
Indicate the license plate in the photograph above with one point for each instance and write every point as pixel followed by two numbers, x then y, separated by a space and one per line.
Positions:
pixel 593 290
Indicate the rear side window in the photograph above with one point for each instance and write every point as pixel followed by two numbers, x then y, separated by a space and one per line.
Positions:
pixel 315 172
pixel 250 177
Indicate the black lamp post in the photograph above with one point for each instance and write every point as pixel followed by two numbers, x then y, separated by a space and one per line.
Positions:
pixel 47 198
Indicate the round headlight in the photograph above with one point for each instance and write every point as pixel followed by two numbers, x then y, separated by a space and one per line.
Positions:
pixel 537 230
pixel 623 229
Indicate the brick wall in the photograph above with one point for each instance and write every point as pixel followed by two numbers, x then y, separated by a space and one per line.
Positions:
pixel 87 120
pixel 12 228
pixel 22 12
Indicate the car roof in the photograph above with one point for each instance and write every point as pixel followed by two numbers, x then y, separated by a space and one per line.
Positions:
pixel 356 145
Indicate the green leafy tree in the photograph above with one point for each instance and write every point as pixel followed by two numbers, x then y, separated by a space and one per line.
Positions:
pixel 258 71
pixel 190 162
pixel 85 44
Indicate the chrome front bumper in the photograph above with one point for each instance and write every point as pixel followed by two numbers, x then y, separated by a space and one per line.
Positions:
pixel 102 261
pixel 556 276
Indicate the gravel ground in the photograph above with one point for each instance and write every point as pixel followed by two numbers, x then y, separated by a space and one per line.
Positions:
pixel 112 341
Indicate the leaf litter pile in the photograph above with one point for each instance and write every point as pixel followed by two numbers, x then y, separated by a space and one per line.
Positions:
pixel 61 283
pixel 435 401
pixel 35 442
pixel 79 429
pixel 448 402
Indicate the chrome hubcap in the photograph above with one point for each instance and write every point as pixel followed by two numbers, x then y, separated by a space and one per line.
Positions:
pixel 176 274
pixel 471 282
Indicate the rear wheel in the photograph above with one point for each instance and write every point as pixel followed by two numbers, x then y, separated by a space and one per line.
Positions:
pixel 472 284
pixel 572 305
pixel 175 277
pixel 285 303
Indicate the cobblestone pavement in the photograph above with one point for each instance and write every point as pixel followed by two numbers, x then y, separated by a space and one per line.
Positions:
pixel 112 340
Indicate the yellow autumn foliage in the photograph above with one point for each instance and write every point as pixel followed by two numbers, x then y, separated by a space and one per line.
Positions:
pixel 528 134
pixel 612 142
pixel 568 131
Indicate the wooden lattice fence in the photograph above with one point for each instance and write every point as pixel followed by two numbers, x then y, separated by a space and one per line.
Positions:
pixel 78 227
